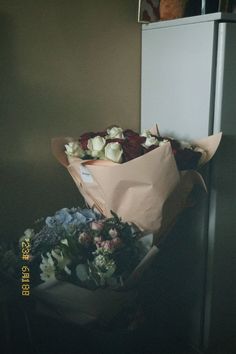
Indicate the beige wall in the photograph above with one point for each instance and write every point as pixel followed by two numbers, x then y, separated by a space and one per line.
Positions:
pixel 66 66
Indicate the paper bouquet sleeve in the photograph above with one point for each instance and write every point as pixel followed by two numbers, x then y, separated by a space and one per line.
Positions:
pixel 148 191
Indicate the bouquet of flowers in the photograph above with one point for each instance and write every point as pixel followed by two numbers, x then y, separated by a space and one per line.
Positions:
pixel 83 267
pixel 120 170
pixel 82 247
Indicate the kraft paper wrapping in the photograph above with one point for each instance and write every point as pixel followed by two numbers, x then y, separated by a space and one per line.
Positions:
pixel 148 191
pixel 72 303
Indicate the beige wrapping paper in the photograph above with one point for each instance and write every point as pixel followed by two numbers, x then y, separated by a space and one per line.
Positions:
pixel 148 191
pixel 72 303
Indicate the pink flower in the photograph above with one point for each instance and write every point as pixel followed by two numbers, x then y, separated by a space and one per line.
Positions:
pixel 98 241
pixel 116 242
pixel 97 225
pixel 107 245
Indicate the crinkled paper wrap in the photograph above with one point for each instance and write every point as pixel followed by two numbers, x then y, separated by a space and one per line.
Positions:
pixel 149 190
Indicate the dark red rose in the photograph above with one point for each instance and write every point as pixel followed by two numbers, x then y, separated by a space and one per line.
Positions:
pixel 129 133
pixel 83 139
pixel 115 140
pixel 102 133
pixel 150 148
pixel 175 145
pixel 132 147
pixel 187 159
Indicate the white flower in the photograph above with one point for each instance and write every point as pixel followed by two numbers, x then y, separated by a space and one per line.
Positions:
pixel 73 149
pixel 151 140
pixel 65 242
pixel 146 133
pixel 48 268
pixel 100 261
pixel 113 233
pixel 61 260
pixel 115 133
pixel 106 266
pixel 67 270
pixel 113 152
pixel 96 146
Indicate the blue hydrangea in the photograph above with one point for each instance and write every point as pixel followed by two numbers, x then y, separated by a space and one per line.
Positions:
pixel 64 222
pixel 71 218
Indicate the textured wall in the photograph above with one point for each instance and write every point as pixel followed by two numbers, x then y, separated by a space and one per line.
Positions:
pixel 66 66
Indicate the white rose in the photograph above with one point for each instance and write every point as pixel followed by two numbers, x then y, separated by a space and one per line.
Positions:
pixel 151 141
pixel 147 133
pixel 113 152
pixel 73 149
pixel 96 145
pixel 115 133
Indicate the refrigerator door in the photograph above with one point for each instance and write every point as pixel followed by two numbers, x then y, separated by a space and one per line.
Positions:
pixel 189 90
pixel 220 307
pixel 178 81
pixel 177 86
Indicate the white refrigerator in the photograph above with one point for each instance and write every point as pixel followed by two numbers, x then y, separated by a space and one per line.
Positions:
pixel 188 88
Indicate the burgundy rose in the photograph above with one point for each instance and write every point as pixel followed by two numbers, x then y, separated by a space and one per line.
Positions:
pixel 150 148
pixel 116 140
pixel 102 133
pixel 187 159
pixel 129 132
pixel 132 147
pixel 175 145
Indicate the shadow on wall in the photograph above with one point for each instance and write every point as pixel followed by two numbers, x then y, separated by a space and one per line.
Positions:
pixel 31 181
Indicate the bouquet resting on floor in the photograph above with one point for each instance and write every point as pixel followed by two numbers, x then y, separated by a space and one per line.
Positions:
pixel 135 186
